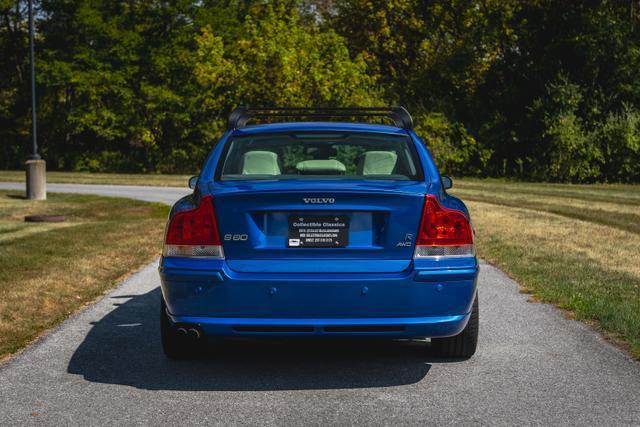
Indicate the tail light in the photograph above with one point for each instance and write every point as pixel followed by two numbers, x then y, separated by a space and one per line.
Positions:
pixel 443 232
pixel 194 233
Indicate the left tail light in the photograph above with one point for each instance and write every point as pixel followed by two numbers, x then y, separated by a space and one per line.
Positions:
pixel 194 233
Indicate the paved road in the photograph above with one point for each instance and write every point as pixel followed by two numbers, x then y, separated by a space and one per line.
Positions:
pixel 166 195
pixel 104 366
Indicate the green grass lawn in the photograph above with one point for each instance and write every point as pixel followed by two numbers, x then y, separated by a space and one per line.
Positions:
pixel 575 246
pixel 49 270
pixel 102 178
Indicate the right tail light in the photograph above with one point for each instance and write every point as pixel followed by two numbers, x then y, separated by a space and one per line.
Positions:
pixel 443 232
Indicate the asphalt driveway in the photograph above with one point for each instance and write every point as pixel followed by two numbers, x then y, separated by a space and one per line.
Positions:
pixel 105 366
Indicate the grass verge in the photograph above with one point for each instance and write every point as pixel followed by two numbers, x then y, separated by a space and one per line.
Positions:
pixel 102 178
pixel 573 246
pixel 49 270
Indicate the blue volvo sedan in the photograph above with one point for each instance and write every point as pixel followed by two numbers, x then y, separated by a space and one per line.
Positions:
pixel 319 229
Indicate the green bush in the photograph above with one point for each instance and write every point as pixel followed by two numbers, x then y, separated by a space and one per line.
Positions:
pixel 561 149
pixel 619 137
pixel 104 161
pixel 187 161
pixel 572 155
pixel 454 150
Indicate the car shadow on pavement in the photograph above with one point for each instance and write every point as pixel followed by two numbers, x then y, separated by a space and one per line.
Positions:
pixel 124 348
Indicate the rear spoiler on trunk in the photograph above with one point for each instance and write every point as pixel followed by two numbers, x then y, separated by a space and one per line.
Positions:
pixel 400 117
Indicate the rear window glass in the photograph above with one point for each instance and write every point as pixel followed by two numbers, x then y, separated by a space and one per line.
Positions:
pixel 320 155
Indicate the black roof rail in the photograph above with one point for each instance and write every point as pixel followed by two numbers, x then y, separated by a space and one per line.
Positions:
pixel 240 116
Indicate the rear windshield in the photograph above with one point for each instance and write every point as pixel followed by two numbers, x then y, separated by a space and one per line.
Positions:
pixel 320 155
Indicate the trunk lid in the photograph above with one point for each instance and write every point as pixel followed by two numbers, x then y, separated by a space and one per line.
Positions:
pixel 361 226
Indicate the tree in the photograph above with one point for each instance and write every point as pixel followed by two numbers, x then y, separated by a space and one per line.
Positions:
pixel 534 90
pixel 279 62
pixel 14 87
pixel 590 43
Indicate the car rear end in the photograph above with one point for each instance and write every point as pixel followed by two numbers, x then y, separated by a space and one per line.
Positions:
pixel 319 230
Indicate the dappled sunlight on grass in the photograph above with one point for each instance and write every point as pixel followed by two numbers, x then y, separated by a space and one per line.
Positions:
pixel 10 232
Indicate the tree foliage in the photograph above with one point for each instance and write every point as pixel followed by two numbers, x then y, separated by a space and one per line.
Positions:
pixel 279 61
pixel 534 89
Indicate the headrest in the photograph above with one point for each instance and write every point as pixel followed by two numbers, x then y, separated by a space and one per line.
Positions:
pixel 260 163
pixel 379 162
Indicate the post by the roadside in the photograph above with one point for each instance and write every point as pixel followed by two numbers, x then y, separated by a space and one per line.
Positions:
pixel 36 180
pixel 36 167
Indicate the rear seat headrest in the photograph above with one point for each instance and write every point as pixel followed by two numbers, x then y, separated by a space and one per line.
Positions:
pixel 260 163
pixel 379 163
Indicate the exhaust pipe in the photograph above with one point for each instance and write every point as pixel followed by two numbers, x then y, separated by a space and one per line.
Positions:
pixel 194 334
pixel 189 332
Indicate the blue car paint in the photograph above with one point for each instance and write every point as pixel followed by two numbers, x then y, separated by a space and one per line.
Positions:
pixel 262 289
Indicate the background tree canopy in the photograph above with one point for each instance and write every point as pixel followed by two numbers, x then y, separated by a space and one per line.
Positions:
pixel 537 89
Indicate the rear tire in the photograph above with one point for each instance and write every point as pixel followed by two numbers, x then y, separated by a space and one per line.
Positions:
pixel 465 343
pixel 174 346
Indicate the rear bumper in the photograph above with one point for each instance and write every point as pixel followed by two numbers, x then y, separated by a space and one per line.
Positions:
pixel 397 327
pixel 429 299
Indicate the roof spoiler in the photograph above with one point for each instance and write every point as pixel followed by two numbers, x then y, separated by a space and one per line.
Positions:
pixel 240 116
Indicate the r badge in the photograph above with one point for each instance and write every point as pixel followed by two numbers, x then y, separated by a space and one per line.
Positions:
pixel 408 241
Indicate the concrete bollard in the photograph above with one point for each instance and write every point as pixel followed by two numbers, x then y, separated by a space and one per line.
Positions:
pixel 36 180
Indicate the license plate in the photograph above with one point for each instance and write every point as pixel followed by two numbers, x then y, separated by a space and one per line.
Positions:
pixel 318 231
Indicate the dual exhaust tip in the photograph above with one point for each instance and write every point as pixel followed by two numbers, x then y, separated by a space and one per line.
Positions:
pixel 190 333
